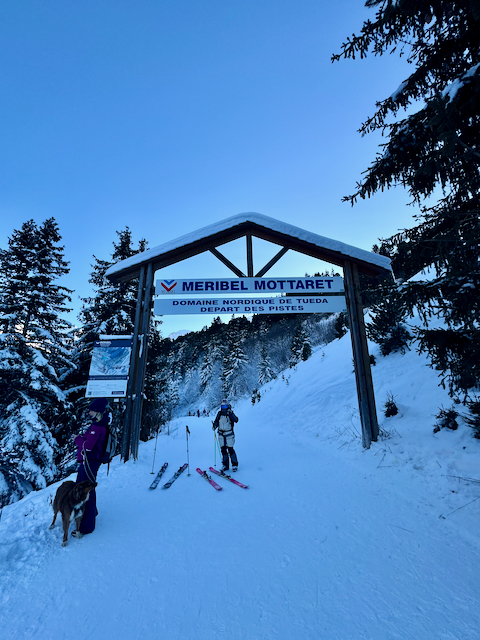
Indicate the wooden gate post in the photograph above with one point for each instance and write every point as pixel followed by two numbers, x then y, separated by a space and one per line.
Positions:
pixel 127 421
pixel 142 360
pixel 363 373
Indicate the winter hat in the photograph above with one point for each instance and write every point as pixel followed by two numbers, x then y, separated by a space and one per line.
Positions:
pixel 99 405
pixel 224 404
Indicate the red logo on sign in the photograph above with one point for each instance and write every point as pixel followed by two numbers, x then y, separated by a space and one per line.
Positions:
pixel 168 286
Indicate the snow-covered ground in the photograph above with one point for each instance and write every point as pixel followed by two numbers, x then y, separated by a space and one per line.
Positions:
pixel 330 541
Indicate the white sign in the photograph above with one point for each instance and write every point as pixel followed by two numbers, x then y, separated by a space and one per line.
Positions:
pixel 108 376
pixel 258 286
pixel 218 305
pixel 106 388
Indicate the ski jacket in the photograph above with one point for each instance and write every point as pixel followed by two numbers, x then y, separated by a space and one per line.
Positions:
pixel 92 442
pixel 225 420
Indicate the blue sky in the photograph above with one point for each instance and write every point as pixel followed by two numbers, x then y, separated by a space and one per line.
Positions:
pixel 166 116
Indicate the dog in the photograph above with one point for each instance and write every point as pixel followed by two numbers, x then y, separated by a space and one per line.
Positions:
pixel 70 501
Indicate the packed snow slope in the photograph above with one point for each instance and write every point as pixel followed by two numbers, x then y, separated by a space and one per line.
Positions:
pixel 329 541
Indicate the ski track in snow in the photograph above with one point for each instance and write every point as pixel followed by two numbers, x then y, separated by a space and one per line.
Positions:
pixel 329 541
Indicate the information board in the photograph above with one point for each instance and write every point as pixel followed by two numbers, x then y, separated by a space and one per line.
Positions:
pixel 109 368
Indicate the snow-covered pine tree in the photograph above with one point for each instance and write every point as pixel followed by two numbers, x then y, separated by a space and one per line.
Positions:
pixel 173 380
pixel 434 149
pixel 161 359
pixel 340 324
pixel 265 370
pixel 234 359
pixel 33 354
pixel 212 358
pixel 111 310
pixel 387 326
pixel 300 348
pixel 206 368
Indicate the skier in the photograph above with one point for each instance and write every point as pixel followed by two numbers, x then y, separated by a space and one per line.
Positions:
pixel 224 423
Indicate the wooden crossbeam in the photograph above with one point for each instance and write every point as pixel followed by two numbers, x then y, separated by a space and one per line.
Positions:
pixel 273 261
pixel 227 262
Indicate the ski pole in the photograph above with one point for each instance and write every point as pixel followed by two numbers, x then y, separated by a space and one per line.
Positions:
pixel 188 456
pixel 155 450
pixel 214 445
pixel 215 449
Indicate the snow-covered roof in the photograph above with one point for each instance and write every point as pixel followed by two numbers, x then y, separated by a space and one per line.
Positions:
pixel 255 224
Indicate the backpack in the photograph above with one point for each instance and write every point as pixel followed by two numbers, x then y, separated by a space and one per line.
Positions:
pixel 110 446
pixel 225 423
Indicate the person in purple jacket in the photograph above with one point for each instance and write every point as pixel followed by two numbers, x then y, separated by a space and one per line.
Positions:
pixel 90 449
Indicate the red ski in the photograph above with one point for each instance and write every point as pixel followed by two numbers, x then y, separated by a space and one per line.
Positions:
pixel 227 477
pixel 205 475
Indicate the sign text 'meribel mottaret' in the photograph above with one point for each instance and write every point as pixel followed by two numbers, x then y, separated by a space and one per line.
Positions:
pixel 309 286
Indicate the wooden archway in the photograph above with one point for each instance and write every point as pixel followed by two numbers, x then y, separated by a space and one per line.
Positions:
pixel 352 260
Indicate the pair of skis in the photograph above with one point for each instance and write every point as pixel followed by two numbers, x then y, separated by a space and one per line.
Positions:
pixel 168 484
pixel 214 484
pixel 204 474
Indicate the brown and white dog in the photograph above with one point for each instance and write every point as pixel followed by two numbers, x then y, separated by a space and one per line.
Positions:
pixel 70 501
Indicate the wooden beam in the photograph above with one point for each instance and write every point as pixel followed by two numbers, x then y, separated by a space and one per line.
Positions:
pixel 127 422
pixel 273 261
pixel 366 356
pixel 227 262
pixel 249 255
pixel 142 360
pixel 363 374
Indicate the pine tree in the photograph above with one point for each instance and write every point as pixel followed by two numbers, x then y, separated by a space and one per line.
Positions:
pixel 162 361
pixel 265 370
pixel 340 324
pixel 387 325
pixel 110 311
pixel 172 387
pixel 33 354
pixel 234 358
pixel 300 348
pixel 435 148
pixel 213 355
